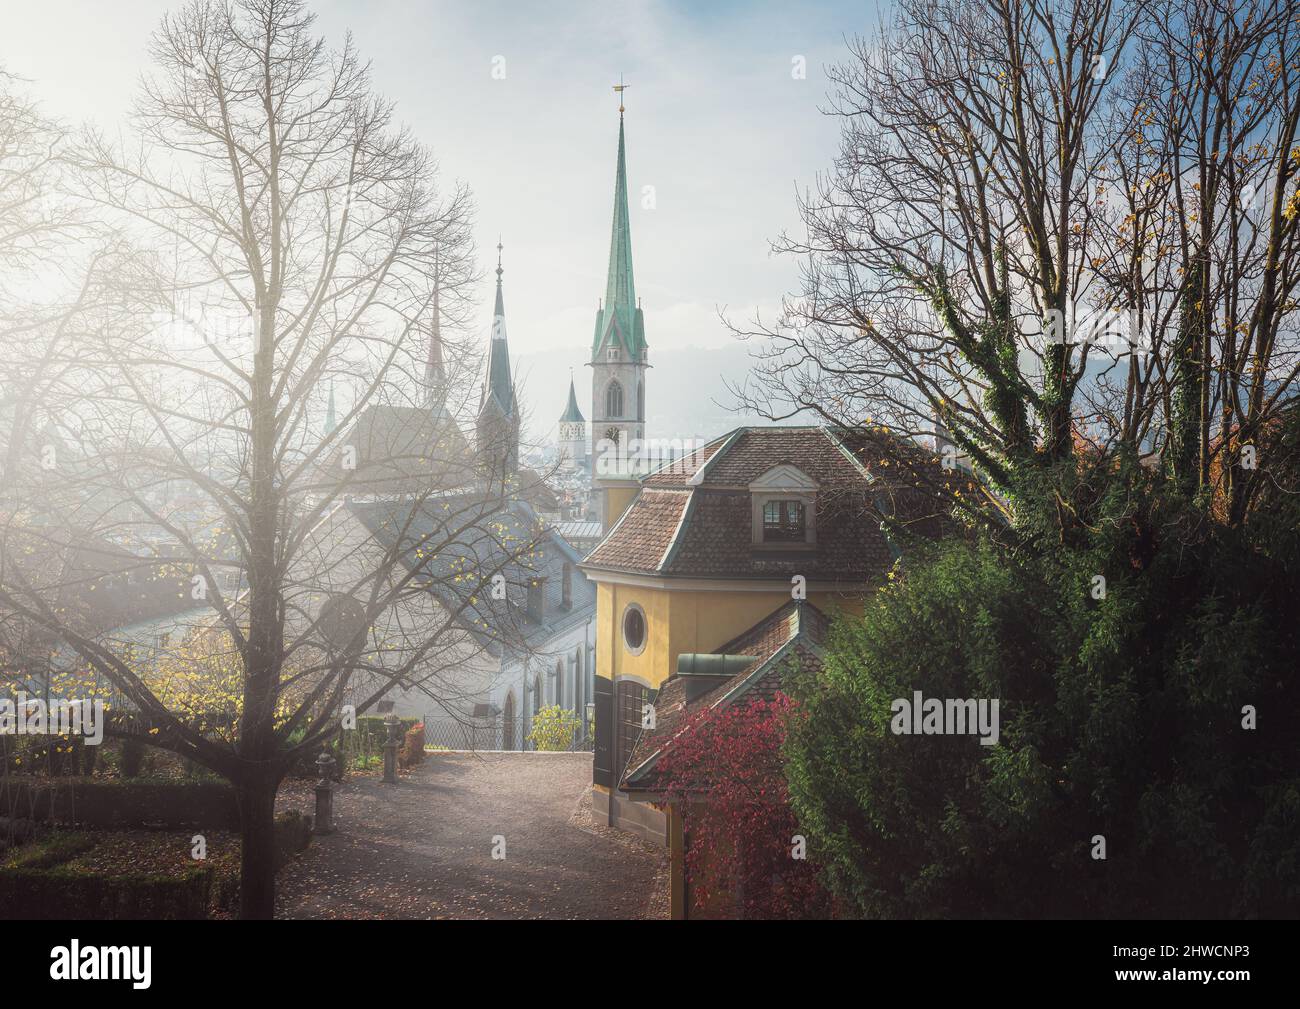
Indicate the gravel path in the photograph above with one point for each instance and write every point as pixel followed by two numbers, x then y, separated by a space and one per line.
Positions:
pixel 423 848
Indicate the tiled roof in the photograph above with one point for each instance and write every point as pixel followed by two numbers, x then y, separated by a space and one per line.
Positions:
pixel 454 538
pixel 679 472
pixel 399 450
pixel 795 630
pixel 694 517
pixel 640 538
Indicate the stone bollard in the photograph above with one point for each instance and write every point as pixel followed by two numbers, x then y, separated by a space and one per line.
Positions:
pixel 390 749
pixel 325 795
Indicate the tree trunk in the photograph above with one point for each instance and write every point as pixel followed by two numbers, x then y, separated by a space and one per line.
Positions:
pixel 257 855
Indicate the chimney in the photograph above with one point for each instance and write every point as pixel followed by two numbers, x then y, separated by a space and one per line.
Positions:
pixel 536 600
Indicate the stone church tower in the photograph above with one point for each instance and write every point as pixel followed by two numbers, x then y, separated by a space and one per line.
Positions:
pixel 618 365
pixel 573 433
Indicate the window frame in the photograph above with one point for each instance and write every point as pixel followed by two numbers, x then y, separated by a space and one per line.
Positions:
pixel 783 530
pixel 629 610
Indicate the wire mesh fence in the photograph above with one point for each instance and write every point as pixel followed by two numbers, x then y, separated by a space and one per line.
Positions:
pixel 447 733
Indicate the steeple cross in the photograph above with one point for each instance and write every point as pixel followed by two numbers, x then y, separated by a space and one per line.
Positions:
pixel 620 87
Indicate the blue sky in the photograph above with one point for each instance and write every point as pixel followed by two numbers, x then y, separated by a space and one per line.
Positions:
pixel 716 123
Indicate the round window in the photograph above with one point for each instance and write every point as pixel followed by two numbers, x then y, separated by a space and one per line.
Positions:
pixel 634 629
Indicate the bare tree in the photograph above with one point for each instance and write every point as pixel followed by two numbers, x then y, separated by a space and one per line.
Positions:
pixel 1009 169
pixel 293 238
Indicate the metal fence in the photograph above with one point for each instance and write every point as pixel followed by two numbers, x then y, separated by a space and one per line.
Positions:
pixel 444 732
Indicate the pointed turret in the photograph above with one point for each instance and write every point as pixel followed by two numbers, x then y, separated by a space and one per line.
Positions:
pixel 499 385
pixel 498 419
pixel 572 415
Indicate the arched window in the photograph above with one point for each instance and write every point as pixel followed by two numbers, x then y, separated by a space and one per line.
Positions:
pixel 508 723
pixel 538 697
pixel 566 586
pixel 640 401
pixel 614 400
pixel 579 685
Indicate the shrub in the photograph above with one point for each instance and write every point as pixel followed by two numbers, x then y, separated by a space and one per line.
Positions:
pixel 1121 716
pixel 553 729
pixel 412 751
pixel 123 803
pixel 132 758
pixel 35 885
pixel 292 835
pixel 723 773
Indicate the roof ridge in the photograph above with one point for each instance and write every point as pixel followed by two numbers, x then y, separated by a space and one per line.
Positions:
pixel 728 440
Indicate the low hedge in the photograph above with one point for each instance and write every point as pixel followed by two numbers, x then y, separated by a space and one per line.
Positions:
pixel 37 886
pixel 373 729
pixel 122 803
pixel 292 835
pixel 58 894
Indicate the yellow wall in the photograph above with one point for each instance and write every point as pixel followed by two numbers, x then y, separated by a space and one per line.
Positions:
pixel 681 621
pixel 617 498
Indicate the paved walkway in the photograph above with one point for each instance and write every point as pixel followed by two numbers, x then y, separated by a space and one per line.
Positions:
pixel 423 848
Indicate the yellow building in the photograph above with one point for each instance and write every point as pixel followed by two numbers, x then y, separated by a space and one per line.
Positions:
pixel 711 557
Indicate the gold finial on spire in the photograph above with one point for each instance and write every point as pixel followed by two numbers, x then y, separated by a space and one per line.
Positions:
pixel 499 248
pixel 620 87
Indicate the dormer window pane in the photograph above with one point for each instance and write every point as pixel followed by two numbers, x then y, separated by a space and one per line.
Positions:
pixel 784 522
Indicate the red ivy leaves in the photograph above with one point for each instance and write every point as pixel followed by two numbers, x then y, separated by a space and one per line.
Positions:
pixel 725 772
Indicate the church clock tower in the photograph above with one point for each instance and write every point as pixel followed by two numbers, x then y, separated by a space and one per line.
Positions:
pixel 618 365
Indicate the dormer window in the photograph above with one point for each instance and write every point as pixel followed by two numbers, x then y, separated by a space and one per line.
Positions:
pixel 784 509
pixel 784 522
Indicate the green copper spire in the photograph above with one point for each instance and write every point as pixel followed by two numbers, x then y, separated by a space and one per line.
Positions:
pixel 619 321
pixel 572 415
pixel 499 387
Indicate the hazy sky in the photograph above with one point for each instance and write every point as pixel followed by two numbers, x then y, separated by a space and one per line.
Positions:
pixel 716 123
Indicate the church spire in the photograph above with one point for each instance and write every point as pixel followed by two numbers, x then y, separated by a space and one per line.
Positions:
pixel 499 385
pixel 498 420
pixel 572 415
pixel 619 320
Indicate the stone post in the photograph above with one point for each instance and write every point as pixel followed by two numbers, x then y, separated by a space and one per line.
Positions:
pixel 325 795
pixel 390 749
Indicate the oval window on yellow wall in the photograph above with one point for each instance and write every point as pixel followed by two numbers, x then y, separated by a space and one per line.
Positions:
pixel 634 629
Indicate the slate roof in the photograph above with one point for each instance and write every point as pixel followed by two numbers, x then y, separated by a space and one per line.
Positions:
pixel 450 539
pixel 693 518
pixel 794 631
pixel 400 450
